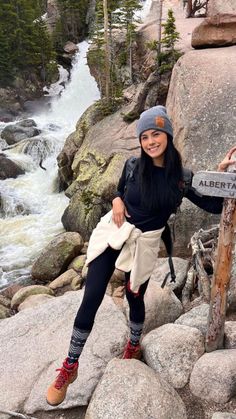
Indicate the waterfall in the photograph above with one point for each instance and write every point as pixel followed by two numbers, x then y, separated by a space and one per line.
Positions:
pixel 30 206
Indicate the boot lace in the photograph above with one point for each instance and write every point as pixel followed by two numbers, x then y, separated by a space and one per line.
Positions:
pixel 62 378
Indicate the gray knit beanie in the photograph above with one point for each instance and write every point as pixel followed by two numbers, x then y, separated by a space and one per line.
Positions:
pixel 154 118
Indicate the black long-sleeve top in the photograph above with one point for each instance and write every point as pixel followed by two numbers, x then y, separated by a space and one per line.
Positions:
pixel 129 192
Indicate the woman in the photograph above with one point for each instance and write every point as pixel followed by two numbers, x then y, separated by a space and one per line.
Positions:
pixel 146 200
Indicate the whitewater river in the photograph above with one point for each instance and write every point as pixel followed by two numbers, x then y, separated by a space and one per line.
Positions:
pixel 31 207
pixel 23 236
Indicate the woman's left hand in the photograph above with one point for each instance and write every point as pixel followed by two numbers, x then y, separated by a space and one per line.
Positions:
pixel 226 162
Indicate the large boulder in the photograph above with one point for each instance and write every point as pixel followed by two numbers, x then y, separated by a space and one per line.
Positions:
pixel 200 103
pixel 230 335
pixel 25 292
pixel 214 376
pixel 215 31
pixel 196 317
pixel 8 168
pixel 74 141
pixel 172 350
pixel 56 256
pixel 21 130
pixel 36 341
pixel 96 168
pixel 130 389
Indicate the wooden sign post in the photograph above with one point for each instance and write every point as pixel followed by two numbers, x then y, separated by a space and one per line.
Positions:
pixel 222 184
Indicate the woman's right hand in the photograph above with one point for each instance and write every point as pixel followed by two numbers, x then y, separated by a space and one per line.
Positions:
pixel 119 211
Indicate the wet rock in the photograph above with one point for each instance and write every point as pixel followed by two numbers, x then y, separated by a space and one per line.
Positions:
pixel 70 48
pixel 25 292
pixel 172 350
pixel 196 317
pixel 8 168
pixel 56 257
pixel 21 130
pixel 214 376
pixel 143 393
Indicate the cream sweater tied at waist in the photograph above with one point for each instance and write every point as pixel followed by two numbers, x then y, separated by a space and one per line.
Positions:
pixel 139 252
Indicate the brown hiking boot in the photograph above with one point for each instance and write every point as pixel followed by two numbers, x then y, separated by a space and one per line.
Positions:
pixel 57 390
pixel 132 352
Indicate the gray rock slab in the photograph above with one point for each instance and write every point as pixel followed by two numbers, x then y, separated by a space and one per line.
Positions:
pixel 172 350
pixel 230 335
pixel 162 268
pixel 130 389
pixel 196 317
pixel 214 376
pixel 223 415
pixel 35 341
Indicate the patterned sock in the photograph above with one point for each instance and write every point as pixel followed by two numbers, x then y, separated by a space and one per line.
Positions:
pixel 135 332
pixel 77 343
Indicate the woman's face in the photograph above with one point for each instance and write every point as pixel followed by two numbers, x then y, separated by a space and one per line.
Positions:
pixel 154 143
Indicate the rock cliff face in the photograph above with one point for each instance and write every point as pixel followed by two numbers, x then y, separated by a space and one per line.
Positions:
pixel 220 7
pixel 96 168
pixel 52 15
pixel 201 104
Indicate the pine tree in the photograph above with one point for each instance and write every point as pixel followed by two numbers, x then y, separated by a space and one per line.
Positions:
pixel 128 8
pixel 169 55
pixel 24 42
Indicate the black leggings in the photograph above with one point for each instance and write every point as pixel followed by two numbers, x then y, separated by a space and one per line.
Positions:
pixel 99 273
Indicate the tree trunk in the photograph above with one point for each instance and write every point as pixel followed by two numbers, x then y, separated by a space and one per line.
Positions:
pixel 221 278
pixel 189 9
pixel 159 29
pixel 107 51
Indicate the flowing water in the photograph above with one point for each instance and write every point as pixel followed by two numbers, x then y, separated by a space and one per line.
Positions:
pixel 31 207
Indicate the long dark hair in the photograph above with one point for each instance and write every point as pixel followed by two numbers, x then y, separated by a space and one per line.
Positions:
pixel 168 193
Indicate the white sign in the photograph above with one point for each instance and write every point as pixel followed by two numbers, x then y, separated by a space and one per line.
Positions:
pixel 215 183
